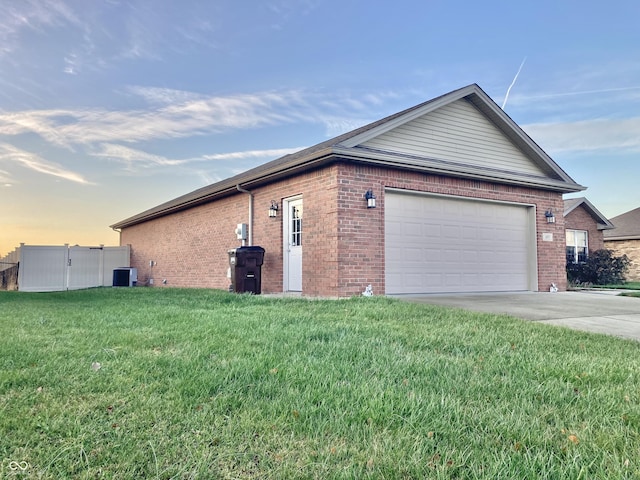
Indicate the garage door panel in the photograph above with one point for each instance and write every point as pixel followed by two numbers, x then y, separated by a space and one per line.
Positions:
pixel 450 209
pixel 453 278
pixel 484 258
pixel 412 255
pixel 451 232
pixel 451 256
pixel 469 256
pixel 485 233
pixel 431 256
pixel 446 244
pixel 469 233
pixel 413 229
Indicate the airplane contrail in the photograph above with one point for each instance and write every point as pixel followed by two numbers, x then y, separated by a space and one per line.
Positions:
pixel 506 97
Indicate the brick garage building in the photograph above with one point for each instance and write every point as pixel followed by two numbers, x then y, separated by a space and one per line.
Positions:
pixel 625 240
pixel 461 195
pixel 585 227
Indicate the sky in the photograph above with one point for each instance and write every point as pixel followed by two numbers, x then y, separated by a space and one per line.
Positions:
pixel 111 107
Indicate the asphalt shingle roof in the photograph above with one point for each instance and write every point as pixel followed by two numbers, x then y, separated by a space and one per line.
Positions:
pixel 627 225
pixel 334 148
pixel 571 204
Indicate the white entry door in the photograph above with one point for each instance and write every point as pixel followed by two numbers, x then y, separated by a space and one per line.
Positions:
pixel 293 246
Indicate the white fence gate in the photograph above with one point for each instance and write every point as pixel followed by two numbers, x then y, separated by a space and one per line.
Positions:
pixel 54 268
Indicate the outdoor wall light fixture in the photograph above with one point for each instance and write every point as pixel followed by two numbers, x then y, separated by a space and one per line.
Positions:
pixel 273 209
pixel 551 218
pixel 371 199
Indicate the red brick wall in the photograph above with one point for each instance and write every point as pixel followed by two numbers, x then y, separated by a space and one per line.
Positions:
pixel 361 230
pixel 320 233
pixel 580 219
pixel 190 247
pixel 343 241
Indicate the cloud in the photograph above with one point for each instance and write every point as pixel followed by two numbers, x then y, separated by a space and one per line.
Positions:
pixel 5 179
pixel 584 111
pixel 272 153
pixel 9 153
pixel 137 159
pixel 44 123
pixel 31 15
pixel 176 114
pixel 206 178
pixel 133 158
pixel 144 35
pixel 579 94
pixel 194 116
pixel 590 135
pixel 71 64
pixel 336 125
pixel 168 114
pixel 164 96
pixel 150 32
pixel 93 35
pixel 577 101
pixel 283 11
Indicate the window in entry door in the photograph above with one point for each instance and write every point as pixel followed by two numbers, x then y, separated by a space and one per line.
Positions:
pixel 296 226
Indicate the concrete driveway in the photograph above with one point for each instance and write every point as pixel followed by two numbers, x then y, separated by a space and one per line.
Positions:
pixel 593 311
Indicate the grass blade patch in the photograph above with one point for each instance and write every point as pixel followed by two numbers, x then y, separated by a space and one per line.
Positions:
pixel 173 383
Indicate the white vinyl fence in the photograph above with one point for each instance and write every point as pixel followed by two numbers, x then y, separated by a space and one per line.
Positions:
pixel 54 268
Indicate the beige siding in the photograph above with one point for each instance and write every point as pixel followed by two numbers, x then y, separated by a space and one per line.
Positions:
pixel 456 132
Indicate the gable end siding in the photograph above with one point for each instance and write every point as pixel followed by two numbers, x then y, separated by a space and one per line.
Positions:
pixel 457 132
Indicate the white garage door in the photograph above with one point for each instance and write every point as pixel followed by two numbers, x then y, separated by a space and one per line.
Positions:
pixel 436 244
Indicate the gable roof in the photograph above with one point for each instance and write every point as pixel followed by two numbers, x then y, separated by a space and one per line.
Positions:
pixel 570 204
pixel 627 226
pixel 349 147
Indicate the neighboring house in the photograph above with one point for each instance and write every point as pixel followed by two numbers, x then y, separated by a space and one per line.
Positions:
pixel 461 195
pixel 584 226
pixel 625 240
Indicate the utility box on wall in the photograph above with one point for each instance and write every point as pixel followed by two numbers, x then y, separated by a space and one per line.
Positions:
pixel 246 264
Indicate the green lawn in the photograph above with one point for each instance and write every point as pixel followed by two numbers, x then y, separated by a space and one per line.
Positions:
pixel 631 286
pixel 623 286
pixel 171 383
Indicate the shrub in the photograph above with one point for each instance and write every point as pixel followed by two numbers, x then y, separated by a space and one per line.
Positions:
pixel 601 268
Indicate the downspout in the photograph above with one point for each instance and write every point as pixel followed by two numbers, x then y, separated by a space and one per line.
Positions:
pixel 119 232
pixel 240 189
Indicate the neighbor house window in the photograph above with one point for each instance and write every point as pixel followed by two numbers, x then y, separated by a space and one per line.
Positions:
pixel 577 246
